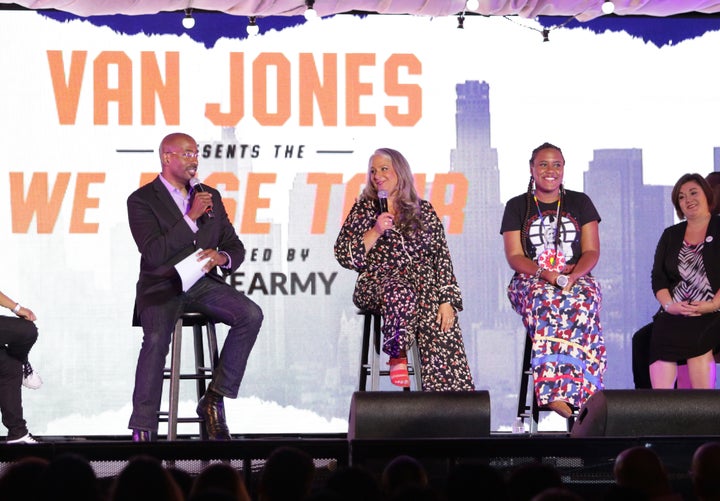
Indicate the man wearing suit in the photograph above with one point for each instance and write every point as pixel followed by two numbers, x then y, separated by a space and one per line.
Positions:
pixel 170 221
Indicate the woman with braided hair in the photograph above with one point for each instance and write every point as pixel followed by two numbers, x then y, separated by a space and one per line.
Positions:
pixel 552 243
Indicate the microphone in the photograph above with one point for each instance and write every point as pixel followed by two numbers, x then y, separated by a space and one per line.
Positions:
pixel 196 185
pixel 382 199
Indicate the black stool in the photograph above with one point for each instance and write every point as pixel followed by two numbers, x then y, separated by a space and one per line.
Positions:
pixel 531 410
pixel 202 372
pixel 370 356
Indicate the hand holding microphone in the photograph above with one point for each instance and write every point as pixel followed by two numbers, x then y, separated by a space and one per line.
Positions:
pixel 201 198
pixel 385 220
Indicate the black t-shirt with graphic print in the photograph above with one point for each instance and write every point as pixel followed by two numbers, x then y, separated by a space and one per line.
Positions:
pixel 577 211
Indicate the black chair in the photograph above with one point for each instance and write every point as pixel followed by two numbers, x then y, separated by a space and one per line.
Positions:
pixel 203 370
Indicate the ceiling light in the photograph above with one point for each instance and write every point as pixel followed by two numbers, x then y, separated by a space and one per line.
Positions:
pixel 472 4
pixel 608 7
pixel 310 13
pixel 188 22
pixel 252 27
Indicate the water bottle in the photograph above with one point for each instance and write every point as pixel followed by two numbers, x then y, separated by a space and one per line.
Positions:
pixel 518 425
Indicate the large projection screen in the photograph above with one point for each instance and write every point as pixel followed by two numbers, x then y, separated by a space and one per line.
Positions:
pixel 286 122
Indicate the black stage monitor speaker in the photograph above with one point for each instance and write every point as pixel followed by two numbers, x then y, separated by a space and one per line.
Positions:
pixel 625 413
pixel 418 414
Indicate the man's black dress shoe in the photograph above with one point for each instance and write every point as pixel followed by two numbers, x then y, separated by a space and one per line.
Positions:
pixel 212 411
pixel 144 436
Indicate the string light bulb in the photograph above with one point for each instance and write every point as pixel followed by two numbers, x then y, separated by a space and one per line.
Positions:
pixel 252 27
pixel 546 35
pixel 310 13
pixel 461 22
pixel 188 21
pixel 472 4
pixel 608 7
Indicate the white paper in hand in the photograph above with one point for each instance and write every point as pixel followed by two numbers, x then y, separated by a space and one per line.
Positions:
pixel 191 270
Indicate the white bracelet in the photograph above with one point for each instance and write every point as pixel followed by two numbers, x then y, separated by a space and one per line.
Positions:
pixel 17 308
pixel 666 306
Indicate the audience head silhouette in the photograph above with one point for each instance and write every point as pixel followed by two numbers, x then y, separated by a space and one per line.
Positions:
pixel 220 478
pixel 401 473
pixel 705 471
pixel 287 476
pixel 21 480
pixel 353 483
pixel 69 476
pixel 529 480
pixel 145 479
pixel 474 477
pixel 640 468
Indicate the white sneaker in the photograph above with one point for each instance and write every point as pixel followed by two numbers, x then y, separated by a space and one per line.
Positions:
pixel 31 379
pixel 27 439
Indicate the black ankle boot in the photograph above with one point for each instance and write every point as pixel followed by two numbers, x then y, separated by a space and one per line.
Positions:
pixel 211 410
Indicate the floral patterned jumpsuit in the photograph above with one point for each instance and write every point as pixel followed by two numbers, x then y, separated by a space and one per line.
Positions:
pixel 405 276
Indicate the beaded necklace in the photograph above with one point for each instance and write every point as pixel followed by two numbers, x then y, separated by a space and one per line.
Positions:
pixel 553 258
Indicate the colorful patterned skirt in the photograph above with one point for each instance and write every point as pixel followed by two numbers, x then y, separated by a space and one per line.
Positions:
pixel 568 349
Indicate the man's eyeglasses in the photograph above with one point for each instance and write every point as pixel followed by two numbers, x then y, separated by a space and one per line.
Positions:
pixel 185 154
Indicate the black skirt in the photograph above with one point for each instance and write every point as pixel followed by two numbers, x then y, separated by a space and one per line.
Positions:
pixel 677 337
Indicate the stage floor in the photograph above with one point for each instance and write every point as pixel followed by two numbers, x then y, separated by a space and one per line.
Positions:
pixel 584 463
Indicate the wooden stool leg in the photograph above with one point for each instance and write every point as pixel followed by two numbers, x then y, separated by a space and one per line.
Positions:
pixel 174 393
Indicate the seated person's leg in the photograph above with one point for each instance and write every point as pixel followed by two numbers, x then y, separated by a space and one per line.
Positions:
pixel 641 357
pixel 663 374
pixel 683 376
pixel 701 370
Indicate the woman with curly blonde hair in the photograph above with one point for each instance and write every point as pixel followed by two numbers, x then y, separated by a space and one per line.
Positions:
pixel 396 242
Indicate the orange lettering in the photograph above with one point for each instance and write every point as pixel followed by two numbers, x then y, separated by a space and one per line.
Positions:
pixel 104 94
pixel 324 183
pixel 237 96
pixel 37 201
pixel 356 89
pixel 260 87
pixel 454 208
pixel 83 202
pixel 147 177
pixel 326 92
pixel 253 202
pixel 352 189
pixel 411 91
pixel 231 183
pixel 66 88
pixel 168 93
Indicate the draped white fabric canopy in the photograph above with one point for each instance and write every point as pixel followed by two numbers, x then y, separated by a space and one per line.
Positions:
pixel 583 10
